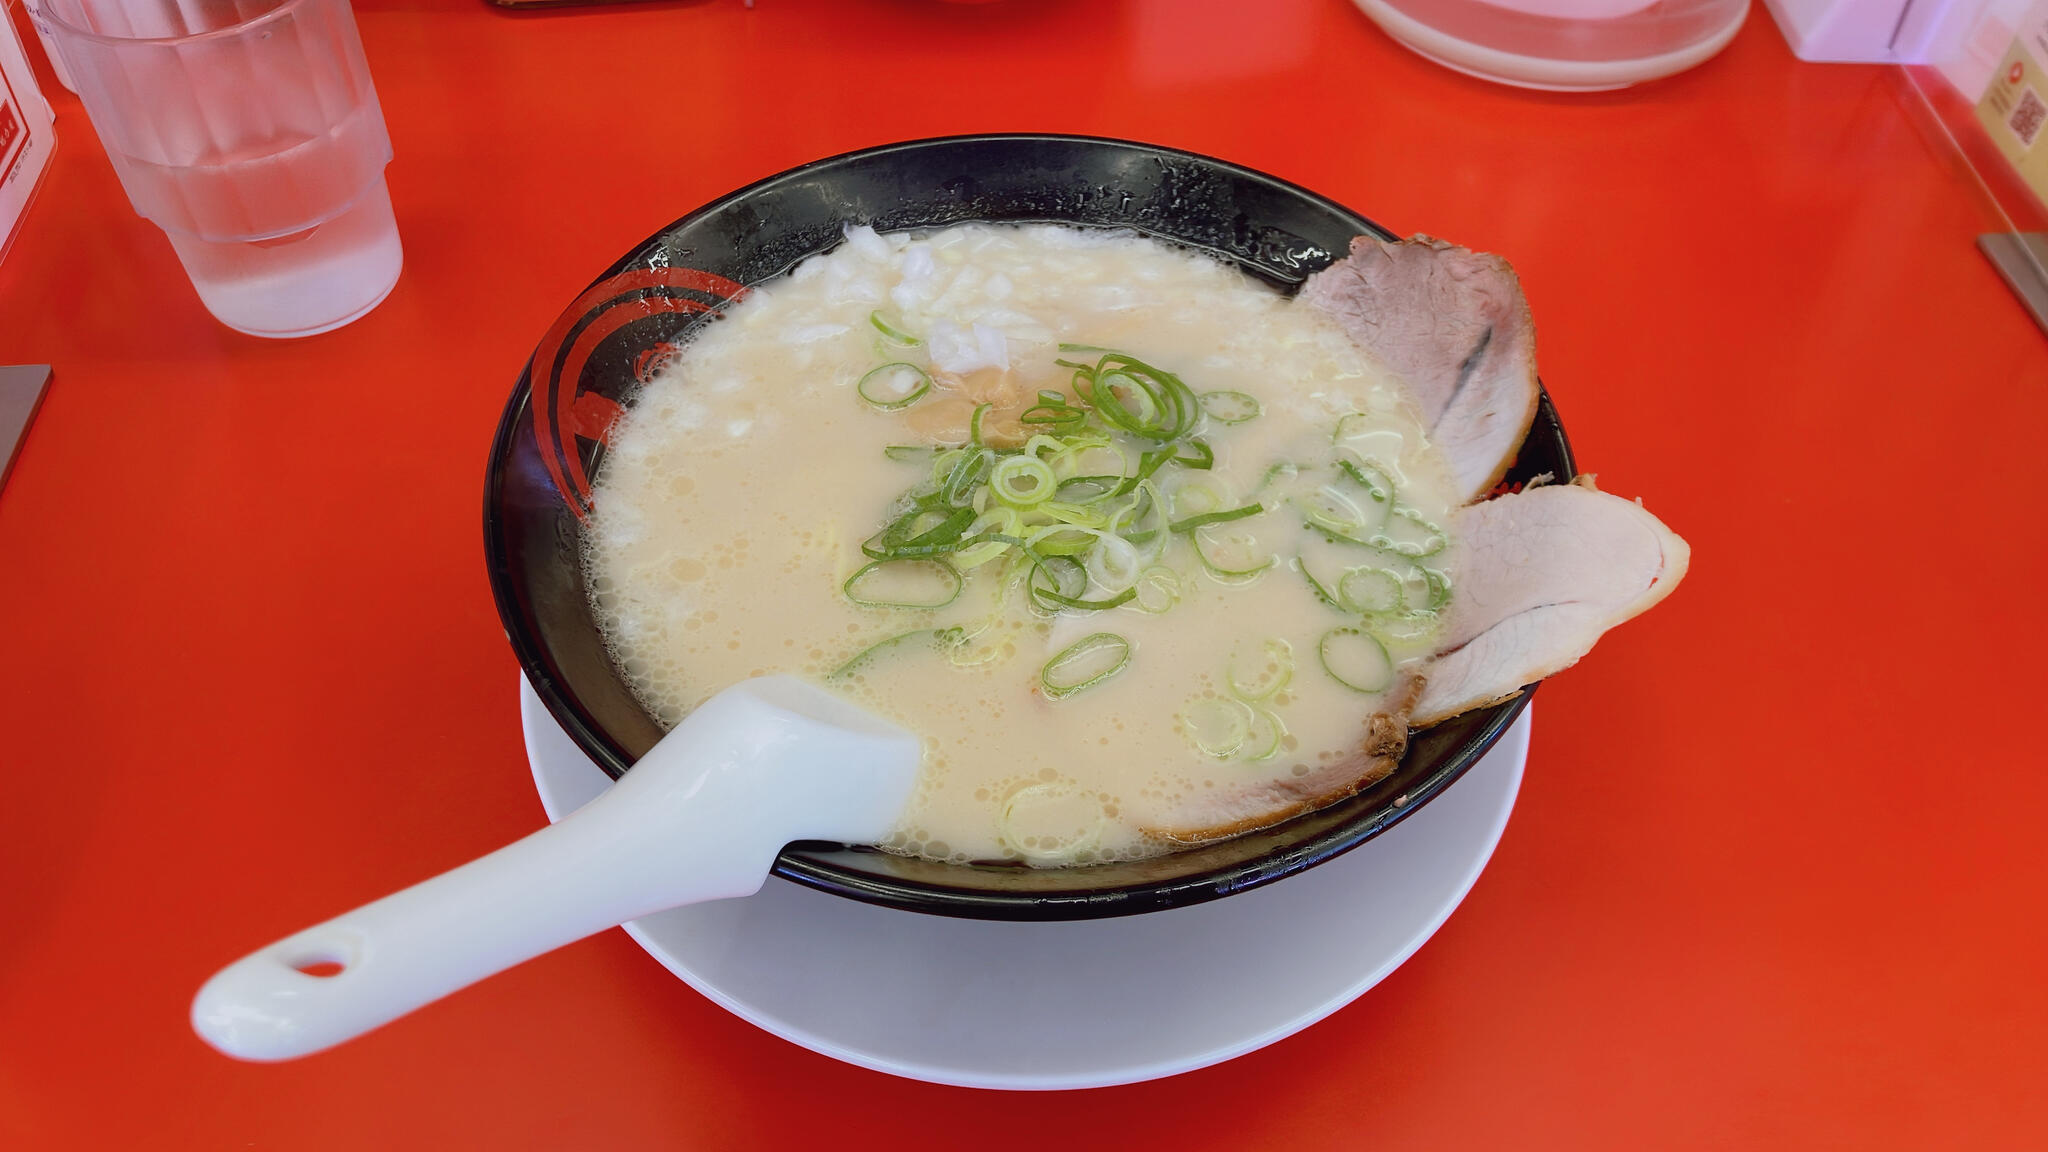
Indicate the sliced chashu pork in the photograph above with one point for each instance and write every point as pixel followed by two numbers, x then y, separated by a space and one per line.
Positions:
pixel 1454 326
pixel 1539 574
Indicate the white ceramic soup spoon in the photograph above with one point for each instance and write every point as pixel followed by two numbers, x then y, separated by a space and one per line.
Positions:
pixel 700 817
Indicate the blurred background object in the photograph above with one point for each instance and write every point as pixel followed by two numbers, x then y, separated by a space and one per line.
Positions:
pixel 1562 45
pixel 27 132
pixel 21 392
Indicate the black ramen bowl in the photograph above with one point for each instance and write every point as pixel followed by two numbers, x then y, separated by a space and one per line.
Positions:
pixel 610 339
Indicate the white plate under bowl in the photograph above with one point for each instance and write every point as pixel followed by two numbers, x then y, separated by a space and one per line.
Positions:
pixel 1072 1004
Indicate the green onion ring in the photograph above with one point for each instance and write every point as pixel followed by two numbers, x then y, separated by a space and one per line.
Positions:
pixel 1167 584
pixel 1353 598
pixel 1275 728
pixel 1279 658
pixel 1060 677
pixel 1204 545
pixel 1035 476
pixel 890 332
pixel 924 385
pixel 950 580
pixel 1356 659
pixel 1218 726
pixel 1227 407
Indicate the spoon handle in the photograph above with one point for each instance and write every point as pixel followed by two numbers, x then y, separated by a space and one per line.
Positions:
pixel 700 817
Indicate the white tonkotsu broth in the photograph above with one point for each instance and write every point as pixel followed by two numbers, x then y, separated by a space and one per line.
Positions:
pixel 737 492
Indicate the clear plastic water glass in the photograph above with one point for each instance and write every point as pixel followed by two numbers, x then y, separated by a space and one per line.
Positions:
pixel 248 130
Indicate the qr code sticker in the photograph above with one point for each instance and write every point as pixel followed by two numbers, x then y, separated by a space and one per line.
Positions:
pixel 2027 117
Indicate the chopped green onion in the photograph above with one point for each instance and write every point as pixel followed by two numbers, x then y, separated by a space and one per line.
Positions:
pixel 903 584
pixel 967 472
pixel 920 533
pixel 1358 432
pixel 1400 538
pixel 1194 522
pixel 1158 589
pixel 1229 559
pixel 1218 726
pixel 1114 563
pixel 992 534
pixel 983 548
pixel 1408 627
pixel 1351 421
pixel 1148 463
pixel 910 451
pixel 1136 397
pixel 1439 586
pixel 1335 514
pixel 1084 664
pixel 1199 456
pixel 1052 577
pixel 888 388
pixel 1284 470
pixel 972 651
pixel 1054 411
pixel 1315 585
pixel 1190 499
pixel 1088 489
pixel 1267 734
pixel 1062 539
pixel 1371 592
pixel 1040 443
pixel 1082 515
pixel 1227 407
pixel 1276 668
pixel 939 637
pixel 1046 847
pixel 1356 659
pixel 1143 519
pixel 1370 475
pixel 891 333
pixel 1097 605
pixel 1022 481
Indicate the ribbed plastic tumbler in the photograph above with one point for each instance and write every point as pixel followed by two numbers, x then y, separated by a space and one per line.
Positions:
pixel 249 131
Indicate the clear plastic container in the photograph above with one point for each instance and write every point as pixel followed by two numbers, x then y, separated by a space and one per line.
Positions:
pixel 1562 45
pixel 248 130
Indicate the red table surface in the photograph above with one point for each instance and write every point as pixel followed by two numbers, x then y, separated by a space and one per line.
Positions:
pixel 1775 879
